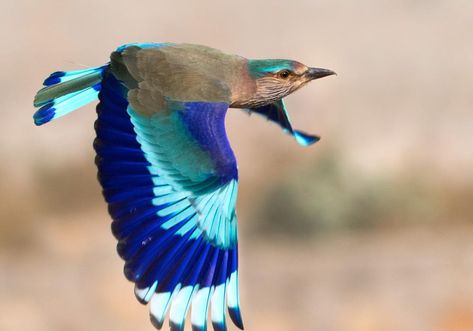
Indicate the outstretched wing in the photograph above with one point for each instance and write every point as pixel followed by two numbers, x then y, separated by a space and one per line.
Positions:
pixel 276 112
pixel 170 180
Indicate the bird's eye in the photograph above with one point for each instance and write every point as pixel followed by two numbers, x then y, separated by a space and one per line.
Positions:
pixel 284 74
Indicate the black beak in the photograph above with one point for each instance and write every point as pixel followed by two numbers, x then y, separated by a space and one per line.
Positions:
pixel 315 73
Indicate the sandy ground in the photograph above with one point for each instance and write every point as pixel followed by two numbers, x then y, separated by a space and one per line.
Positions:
pixel 406 279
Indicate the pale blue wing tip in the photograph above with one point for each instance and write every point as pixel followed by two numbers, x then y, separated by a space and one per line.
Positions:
pixel 305 139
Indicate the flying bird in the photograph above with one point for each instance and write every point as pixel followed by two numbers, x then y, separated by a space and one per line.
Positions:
pixel 167 170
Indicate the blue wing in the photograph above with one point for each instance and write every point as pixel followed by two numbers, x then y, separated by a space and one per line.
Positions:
pixel 171 184
pixel 276 112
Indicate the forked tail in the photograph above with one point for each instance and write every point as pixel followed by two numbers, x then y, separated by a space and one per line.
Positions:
pixel 66 91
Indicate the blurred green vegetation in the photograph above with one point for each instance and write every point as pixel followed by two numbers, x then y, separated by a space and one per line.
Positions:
pixel 324 196
pixel 328 195
pixel 58 191
pixel 67 189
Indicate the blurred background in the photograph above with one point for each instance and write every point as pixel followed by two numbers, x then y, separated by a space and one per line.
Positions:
pixel 370 229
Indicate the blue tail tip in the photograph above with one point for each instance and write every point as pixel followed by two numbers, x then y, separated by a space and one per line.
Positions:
pixel 58 74
pixel 44 114
pixel 51 81
pixel 54 78
pixel 43 120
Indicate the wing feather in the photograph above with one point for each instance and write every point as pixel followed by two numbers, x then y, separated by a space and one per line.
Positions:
pixel 276 112
pixel 170 180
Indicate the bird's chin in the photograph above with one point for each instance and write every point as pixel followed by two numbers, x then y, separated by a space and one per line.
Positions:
pixel 295 87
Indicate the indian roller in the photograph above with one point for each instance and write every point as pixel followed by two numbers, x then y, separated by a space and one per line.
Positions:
pixel 168 173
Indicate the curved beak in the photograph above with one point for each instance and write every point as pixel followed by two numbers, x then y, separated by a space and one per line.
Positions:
pixel 315 73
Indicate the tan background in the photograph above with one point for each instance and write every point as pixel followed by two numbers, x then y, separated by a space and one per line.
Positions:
pixel 369 230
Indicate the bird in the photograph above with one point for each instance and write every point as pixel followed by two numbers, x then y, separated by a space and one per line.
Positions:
pixel 167 171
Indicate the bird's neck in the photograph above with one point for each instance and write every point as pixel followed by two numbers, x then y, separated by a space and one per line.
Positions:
pixel 242 87
pixel 250 93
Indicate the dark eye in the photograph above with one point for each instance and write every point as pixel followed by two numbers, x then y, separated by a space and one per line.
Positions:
pixel 284 74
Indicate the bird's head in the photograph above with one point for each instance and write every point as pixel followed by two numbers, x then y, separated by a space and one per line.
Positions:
pixel 275 79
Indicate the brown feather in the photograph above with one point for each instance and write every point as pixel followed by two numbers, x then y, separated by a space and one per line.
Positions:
pixel 182 73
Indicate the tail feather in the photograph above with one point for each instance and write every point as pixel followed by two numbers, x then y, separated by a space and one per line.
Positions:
pixel 63 76
pixel 66 91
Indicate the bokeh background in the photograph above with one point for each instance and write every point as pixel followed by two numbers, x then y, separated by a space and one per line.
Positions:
pixel 370 229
